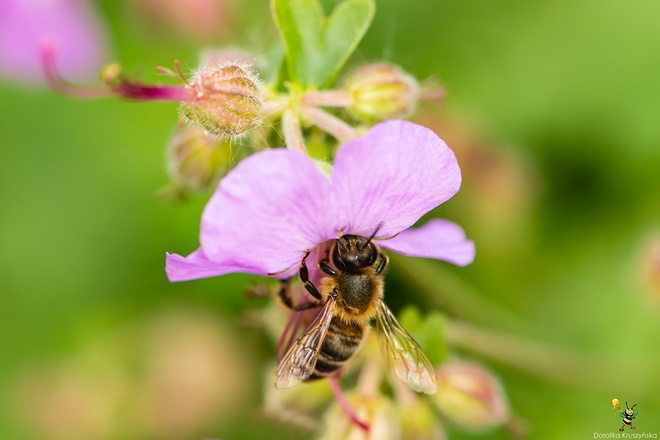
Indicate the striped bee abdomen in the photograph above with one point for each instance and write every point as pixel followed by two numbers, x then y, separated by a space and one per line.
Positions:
pixel 339 344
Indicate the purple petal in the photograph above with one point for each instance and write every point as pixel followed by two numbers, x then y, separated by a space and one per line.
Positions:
pixel 193 267
pixel 24 24
pixel 271 209
pixel 439 239
pixel 394 175
pixel 197 265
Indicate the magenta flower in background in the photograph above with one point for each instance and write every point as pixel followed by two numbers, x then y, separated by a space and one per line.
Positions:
pixel 72 25
pixel 278 204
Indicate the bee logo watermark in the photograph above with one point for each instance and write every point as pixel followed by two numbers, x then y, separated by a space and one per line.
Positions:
pixel 625 435
pixel 627 415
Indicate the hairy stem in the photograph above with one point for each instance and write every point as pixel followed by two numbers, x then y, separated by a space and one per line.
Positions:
pixel 327 98
pixel 329 123
pixel 293 137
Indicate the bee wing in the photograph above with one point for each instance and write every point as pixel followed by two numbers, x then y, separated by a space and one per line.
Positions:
pixel 406 358
pixel 298 363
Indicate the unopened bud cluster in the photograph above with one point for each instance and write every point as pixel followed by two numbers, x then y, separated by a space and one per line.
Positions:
pixel 228 100
pixel 470 396
pixel 221 98
pixel 372 93
pixel 196 161
pixel 381 91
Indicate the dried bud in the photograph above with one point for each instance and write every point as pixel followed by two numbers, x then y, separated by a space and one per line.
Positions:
pixel 228 100
pixel 196 161
pixel 381 91
pixel 470 396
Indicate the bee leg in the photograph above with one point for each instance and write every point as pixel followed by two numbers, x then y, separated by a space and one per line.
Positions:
pixel 323 265
pixel 285 293
pixel 381 265
pixel 285 296
pixel 304 277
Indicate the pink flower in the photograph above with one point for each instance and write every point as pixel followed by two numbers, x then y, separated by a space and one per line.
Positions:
pixel 277 204
pixel 70 24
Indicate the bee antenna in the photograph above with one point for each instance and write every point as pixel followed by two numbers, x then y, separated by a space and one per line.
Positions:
pixel 380 225
pixel 633 407
pixel 627 405
pixel 342 245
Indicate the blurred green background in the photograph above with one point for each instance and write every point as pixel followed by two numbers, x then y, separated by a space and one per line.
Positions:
pixel 553 111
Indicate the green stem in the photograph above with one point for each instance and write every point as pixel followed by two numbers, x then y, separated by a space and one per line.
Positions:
pixel 440 288
pixel 557 364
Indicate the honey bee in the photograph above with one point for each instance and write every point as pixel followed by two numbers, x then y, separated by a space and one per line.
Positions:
pixel 350 296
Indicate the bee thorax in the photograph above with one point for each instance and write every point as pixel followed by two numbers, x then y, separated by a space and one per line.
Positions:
pixel 357 292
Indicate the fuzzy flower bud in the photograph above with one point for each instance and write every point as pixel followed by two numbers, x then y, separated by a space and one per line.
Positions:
pixel 381 91
pixel 470 396
pixel 196 161
pixel 228 100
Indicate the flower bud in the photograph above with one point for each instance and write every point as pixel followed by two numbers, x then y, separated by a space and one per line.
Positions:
pixel 470 396
pixel 649 267
pixel 202 20
pixel 381 91
pixel 226 55
pixel 377 412
pixel 297 406
pixel 228 100
pixel 419 422
pixel 196 161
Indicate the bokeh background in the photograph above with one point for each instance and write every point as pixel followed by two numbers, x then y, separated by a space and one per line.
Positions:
pixel 553 110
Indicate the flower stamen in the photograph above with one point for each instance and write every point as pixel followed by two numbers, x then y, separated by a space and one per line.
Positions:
pixel 127 88
pixel 55 80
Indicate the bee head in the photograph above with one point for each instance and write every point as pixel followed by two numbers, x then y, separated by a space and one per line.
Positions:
pixel 353 252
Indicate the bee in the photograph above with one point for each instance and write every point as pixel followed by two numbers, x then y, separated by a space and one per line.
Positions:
pixel 628 415
pixel 350 297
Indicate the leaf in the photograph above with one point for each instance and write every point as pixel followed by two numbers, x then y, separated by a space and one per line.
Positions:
pixel 410 319
pixel 429 332
pixel 318 46
pixel 432 338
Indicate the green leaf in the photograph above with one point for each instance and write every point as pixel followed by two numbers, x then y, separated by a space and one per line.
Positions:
pixel 429 332
pixel 318 46
pixel 410 319
pixel 277 74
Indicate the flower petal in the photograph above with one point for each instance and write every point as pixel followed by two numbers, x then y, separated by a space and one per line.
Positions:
pixel 193 267
pixel 267 213
pixel 394 175
pixel 439 239
pixel 74 25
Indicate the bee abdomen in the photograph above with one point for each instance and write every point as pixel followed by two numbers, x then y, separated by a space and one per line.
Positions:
pixel 339 344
